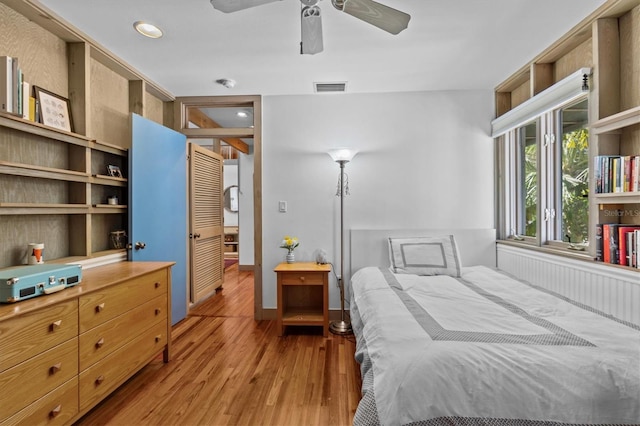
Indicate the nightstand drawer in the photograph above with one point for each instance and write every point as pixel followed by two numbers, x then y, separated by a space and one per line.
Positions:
pixel 306 278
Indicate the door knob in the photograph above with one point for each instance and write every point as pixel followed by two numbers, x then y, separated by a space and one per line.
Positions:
pixel 140 245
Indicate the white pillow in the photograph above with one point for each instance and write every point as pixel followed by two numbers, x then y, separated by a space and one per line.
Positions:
pixel 425 256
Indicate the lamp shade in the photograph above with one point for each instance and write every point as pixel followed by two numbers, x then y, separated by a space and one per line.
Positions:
pixel 342 154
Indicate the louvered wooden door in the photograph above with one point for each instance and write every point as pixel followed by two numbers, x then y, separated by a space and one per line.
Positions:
pixel 206 222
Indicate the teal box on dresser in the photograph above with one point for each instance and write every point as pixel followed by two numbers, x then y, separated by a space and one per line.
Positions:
pixel 25 282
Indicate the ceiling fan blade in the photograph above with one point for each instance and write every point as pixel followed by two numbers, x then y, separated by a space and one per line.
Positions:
pixel 379 15
pixel 311 26
pixel 229 6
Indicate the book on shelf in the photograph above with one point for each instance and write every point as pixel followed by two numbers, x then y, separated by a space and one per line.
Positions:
pixel 635 249
pixel 618 244
pixel 610 242
pixel 624 255
pixel 15 91
pixel 599 243
pixel 6 83
pixel 616 173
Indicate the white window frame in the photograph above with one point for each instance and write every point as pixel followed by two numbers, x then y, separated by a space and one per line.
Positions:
pixel 544 109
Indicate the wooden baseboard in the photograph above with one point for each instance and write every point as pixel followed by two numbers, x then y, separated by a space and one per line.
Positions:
pixel 245 267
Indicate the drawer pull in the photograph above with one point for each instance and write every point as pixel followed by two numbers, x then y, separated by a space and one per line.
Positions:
pixel 158 338
pixel 100 307
pixel 157 285
pixel 99 343
pixel 302 279
pixel 55 368
pixel 56 325
pixel 158 311
pixel 99 380
pixel 54 413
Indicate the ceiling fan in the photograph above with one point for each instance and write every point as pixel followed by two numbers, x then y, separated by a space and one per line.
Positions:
pixel 376 14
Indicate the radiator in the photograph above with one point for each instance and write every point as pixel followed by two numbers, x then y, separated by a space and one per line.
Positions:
pixel 613 290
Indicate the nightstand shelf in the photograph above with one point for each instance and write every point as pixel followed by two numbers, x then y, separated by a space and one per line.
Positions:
pixel 303 295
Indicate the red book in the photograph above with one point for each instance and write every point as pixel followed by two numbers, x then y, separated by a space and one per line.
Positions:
pixel 622 242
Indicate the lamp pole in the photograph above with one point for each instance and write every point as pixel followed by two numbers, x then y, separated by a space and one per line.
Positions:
pixel 342 326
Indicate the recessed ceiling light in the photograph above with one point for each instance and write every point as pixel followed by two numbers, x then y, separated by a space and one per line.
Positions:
pixel 242 114
pixel 147 29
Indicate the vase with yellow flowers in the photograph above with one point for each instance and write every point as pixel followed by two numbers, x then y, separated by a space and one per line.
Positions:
pixel 289 243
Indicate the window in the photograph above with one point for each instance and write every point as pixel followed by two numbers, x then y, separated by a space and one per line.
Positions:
pixel 544 187
pixel 574 168
pixel 527 172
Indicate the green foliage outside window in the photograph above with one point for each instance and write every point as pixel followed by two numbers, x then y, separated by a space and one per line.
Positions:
pixel 575 187
pixel 531 189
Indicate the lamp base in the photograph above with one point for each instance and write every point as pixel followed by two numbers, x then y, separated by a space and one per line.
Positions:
pixel 340 327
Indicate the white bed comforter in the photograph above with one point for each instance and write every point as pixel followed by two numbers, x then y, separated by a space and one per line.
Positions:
pixel 488 349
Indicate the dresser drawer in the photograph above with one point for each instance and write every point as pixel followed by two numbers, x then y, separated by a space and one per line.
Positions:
pixel 103 377
pixel 302 277
pixel 102 340
pixel 25 336
pixel 57 407
pixel 33 378
pixel 103 305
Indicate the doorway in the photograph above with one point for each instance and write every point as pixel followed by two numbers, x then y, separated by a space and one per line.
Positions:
pixel 234 121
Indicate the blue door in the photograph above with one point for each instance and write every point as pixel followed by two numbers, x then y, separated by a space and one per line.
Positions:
pixel 158 203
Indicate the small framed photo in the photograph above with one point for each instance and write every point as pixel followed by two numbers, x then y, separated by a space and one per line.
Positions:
pixel 114 171
pixel 54 109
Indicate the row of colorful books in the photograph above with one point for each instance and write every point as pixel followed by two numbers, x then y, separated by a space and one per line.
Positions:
pixel 616 173
pixel 618 244
pixel 15 92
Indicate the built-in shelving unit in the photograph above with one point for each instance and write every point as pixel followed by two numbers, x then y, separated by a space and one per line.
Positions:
pixel 608 42
pixel 60 185
pixel 54 184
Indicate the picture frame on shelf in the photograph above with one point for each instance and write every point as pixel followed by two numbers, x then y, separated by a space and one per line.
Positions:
pixel 114 171
pixel 54 110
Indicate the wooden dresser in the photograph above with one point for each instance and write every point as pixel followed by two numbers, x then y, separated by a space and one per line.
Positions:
pixel 63 353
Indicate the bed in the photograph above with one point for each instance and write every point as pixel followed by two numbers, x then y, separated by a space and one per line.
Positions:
pixel 468 344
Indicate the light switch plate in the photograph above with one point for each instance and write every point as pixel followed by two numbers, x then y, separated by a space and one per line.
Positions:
pixel 282 206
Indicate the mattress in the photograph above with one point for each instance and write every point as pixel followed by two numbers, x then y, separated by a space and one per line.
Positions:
pixel 486 348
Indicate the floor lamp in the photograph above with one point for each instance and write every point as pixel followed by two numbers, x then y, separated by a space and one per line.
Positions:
pixel 341 156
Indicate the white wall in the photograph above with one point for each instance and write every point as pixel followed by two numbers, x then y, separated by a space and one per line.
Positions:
pixel 425 161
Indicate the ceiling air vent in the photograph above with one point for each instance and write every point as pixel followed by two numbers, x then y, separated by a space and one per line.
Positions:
pixel 335 87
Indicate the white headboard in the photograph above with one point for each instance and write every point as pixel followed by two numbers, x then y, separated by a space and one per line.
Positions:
pixel 369 247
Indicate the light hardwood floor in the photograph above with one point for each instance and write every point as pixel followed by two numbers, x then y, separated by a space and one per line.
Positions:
pixel 228 369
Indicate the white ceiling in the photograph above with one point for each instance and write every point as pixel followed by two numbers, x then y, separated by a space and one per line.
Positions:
pixel 449 44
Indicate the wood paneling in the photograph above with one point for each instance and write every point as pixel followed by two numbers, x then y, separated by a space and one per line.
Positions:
pixel 109 106
pixel 154 109
pixel 630 59
pixel 41 55
pixel 520 94
pixel 567 64
pixel 52 230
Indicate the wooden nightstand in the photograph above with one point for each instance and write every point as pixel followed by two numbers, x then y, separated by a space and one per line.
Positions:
pixel 303 295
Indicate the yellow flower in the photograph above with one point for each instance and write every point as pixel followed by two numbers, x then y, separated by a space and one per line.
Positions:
pixel 289 243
